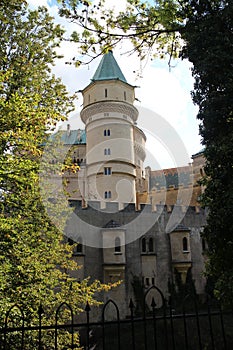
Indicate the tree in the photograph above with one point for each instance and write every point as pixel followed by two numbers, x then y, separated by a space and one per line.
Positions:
pixel 200 31
pixel 34 259
pixel 211 55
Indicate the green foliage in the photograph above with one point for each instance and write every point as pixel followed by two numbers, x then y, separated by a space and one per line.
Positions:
pixel 34 263
pixel 209 46
pixel 153 29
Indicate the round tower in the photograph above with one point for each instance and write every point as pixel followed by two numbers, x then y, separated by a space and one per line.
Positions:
pixel 109 116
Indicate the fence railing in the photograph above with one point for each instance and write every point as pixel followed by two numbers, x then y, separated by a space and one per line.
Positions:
pixel 153 323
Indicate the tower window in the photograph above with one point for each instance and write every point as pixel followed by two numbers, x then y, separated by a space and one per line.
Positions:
pixel 125 95
pixel 185 244
pixel 151 245
pixel 107 194
pixel 106 92
pixel 107 132
pixel 107 171
pixel 79 248
pixel 117 245
pixel 143 245
pixel 107 151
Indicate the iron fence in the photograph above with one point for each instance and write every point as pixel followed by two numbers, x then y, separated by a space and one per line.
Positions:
pixel 154 323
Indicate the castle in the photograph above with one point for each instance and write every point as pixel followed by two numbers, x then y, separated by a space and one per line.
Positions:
pixel 131 223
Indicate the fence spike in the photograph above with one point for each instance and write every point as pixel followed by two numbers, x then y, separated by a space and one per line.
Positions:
pixel 153 303
pixel 40 310
pixel 87 308
pixel 131 304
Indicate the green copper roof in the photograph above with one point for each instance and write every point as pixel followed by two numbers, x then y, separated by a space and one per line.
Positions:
pixel 108 69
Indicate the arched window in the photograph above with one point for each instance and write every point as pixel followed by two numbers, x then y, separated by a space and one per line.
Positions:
pixel 79 248
pixel 107 194
pixel 107 132
pixel 117 245
pixel 151 245
pixel 107 171
pixel 143 245
pixel 185 244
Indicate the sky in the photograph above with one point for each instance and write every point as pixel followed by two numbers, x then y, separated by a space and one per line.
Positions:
pixel 164 95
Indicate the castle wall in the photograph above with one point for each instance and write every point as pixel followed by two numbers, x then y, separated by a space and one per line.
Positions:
pixel 133 261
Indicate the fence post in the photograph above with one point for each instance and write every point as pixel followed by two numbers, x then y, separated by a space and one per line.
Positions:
pixel 40 312
pixel 222 326
pixel 198 324
pixel 131 306
pixel 185 327
pixel 88 309
pixel 144 321
pixel 210 324
pixel 153 305
pixel 172 325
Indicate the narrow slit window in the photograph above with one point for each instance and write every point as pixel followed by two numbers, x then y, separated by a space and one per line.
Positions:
pixel 143 245
pixel 106 92
pixel 151 245
pixel 185 244
pixel 117 245
pixel 107 194
pixel 79 248
pixel 107 132
pixel 107 171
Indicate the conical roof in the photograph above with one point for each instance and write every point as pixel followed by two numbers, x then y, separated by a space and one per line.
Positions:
pixel 108 69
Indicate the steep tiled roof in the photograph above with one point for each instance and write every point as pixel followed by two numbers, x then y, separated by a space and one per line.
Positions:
pixel 71 137
pixel 108 69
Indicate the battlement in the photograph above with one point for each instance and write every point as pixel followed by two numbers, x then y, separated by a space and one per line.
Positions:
pixel 114 207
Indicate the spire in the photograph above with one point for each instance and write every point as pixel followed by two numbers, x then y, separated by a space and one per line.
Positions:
pixel 108 69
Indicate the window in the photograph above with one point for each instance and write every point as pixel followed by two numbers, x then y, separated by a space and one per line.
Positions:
pixel 125 95
pixel 107 171
pixel 107 151
pixel 147 245
pixel 151 245
pixel 106 132
pixel 147 280
pixel 106 92
pixel 143 245
pixel 117 245
pixel 153 281
pixel 185 244
pixel 107 194
pixel 70 241
pixel 79 248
